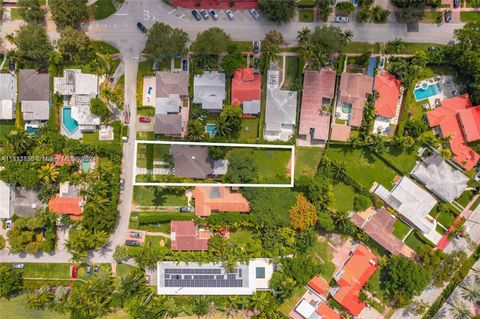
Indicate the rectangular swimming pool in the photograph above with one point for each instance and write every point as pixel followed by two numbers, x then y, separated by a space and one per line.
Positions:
pixel 68 122
pixel 425 93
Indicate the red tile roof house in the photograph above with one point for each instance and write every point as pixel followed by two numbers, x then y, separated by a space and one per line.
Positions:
pixel 67 202
pixel 352 95
pixel 351 278
pixel 387 103
pixel 318 94
pixel 218 199
pixel 247 91
pixel 313 303
pixel 457 118
pixel 186 236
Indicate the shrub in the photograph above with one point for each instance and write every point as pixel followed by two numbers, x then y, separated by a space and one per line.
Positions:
pixel 361 203
pixel 231 4
pixel 159 218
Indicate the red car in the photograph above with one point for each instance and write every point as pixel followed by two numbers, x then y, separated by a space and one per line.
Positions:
pixel 73 272
pixel 145 119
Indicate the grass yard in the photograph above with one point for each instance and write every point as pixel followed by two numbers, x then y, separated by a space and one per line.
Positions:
pixel 321 252
pixel 364 168
pixel 373 285
pixel 446 218
pixel 291 71
pixel 155 196
pixel 249 129
pixel 15 14
pixel 344 197
pixel 146 111
pixel 289 303
pixel 101 9
pixel 473 3
pixel 270 163
pixel 405 161
pixel 465 198
pixel 306 160
pixel 240 237
pixel 415 241
pixel 155 241
pixel 475 204
pixel 400 229
pixel 306 3
pixel 432 17
pixel 361 47
pixel 124 269
pixel 306 15
pixel 160 151
pixel 470 16
pixel 5 128
pixel 91 138
pixel 104 47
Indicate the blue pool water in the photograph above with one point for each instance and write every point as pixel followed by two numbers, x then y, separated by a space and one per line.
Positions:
pixel 429 91
pixel 210 129
pixel 86 166
pixel 32 129
pixel 68 122
pixel 372 64
pixel 347 108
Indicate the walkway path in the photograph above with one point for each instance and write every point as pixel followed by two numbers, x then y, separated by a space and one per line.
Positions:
pixel 464 214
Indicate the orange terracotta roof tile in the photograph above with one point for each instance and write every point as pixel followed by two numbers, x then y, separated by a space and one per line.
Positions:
pixel 246 86
pixel 66 205
pixel 388 88
pixel 327 313
pixel 221 199
pixel 185 236
pixel 319 285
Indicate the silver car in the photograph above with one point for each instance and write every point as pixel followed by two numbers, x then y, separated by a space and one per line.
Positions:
pixel 254 14
pixel 230 15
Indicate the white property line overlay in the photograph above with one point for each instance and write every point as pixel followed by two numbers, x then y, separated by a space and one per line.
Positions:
pixel 272 146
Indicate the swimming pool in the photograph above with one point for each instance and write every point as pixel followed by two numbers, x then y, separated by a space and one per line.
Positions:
pixel 86 166
pixel 210 128
pixel 425 93
pixel 347 108
pixel 68 122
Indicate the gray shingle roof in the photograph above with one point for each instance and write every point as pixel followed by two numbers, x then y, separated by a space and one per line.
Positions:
pixel 168 124
pixel 34 86
pixel 171 83
pixel 192 161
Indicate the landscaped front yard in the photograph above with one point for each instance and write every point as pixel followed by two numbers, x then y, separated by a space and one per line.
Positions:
pixel 291 71
pixel 307 160
pixel 155 196
pixel 415 241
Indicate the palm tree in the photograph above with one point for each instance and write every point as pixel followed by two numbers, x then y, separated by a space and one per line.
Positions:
pixel 269 52
pixel 48 173
pixel 20 141
pixel 196 131
pixel 325 8
pixel 201 306
pixel 304 36
pixel 347 36
pixel 461 310
pixel 471 292
pixel 396 45
pixel 223 128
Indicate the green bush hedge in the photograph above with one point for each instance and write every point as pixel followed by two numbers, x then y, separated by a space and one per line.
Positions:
pixel 160 218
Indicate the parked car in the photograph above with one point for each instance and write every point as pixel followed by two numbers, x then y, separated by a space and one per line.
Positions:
pixel 185 65
pixel 458 235
pixel 448 16
pixel 145 119
pixel 96 268
pixel 196 15
pixel 89 270
pixel 213 14
pixel 141 27
pixel 456 3
pixel 254 14
pixel 230 15
pixel 8 224
pixel 204 13
pixel 341 19
pixel 18 266
pixel 131 242
pixel 136 234
pixel 73 271
pixel 382 62
pixel 256 47
pixel 186 209
pixel 122 184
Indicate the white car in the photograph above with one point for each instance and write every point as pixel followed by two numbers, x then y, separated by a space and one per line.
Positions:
pixel 254 14
pixel 230 15
pixel 9 224
pixel 341 19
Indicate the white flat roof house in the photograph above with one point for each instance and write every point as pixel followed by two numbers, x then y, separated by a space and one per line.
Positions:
pixel 8 96
pixel 213 278
pixel 414 205
pixel 442 179
pixel 209 90
pixel 281 110
pixel 5 201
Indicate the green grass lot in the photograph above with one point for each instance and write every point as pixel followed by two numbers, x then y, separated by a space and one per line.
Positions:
pixel 146 111
pixel 432 17
pixel 403 160
pixel 306 3
pixel 446 218
pixel 91 138
pixel 15 14
pixel 162 227
pixel 400 229
pixel 473 3
pixel 475 204
pixel 104 47
pixel 440 229
pixel 470 16
pixel 5 128
pixel 144 69
pixel 249 129
pixel 55 270
pixel 155 241
pixel 240 237
pixel 154 196
pixel 415 241
pixel 306 15
pixel 322 254
pixel 465 198
pixel 149 136
pixel 361 47
pixel 291 71
pixel 344 197
pixel 124 269
pixel 307 160
pixel 101 9
pixel 270 163
pixel 142 155
pixel 15 309
pixel 412 47
pixel 364 168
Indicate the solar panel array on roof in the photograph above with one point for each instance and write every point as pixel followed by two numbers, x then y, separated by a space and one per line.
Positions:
pixel 194 277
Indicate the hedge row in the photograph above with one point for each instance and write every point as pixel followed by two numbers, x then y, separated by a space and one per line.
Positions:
pixel 160 218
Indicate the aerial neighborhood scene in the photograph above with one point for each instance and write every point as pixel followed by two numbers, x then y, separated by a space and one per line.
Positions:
pixel 270 159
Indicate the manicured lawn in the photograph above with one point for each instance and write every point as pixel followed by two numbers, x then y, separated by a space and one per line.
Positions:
pixel 363 167
pixel 402 160
pixel 146 111
pixel 306 160
pixel 469 16
pixel 344 196
pixel 142 155
pixel 123 269
pixel 446 218
pixel 432 17
pixel 15 14
pixel 54 270
pixel 412 47
pixel 270 163
pixel 306 15
pixel 291 71
pixel 361 47
pixel 400 229
pixel 465 198
pixel 475 204
pixel 91 138
pixel 160 151
pixel 154 196
pixel 240 236
pixel 321 252
pixel 249 129
pixel 101 9
pixel 5 128
pixel 104 47
pixel 154 241
pixel 414 241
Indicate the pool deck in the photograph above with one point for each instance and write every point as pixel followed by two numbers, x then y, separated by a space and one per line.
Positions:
pixel 448 89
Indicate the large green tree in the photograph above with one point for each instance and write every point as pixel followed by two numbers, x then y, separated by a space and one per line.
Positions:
pixel 68 13
pixel 11 281
pixel 211 42
pixel 229 121
pixel 241 170
pixel 278 11
pixel 165 42
pixel 75 46
pixel 409 11
pixel 31 11
pixel 33 46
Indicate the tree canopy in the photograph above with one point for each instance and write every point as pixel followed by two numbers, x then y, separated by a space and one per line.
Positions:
pixel 75 46
pixel 241 170
pixel 33 46
pixel 68 13
pixel 409 11
pixel 278 11
pixel 211 42
pixel 303 214
pixel 31 11
pixel 165 42
pixel 11 281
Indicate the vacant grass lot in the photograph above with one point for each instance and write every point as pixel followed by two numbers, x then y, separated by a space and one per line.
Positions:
pixel 363 167
pixel 307 160
pixel 469 16
pixel 321 252
pixel 155 196
pixel 291 71
pixel 400 229
pixel 344 197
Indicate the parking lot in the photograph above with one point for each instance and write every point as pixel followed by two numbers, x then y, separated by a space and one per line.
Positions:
pixel 240 15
